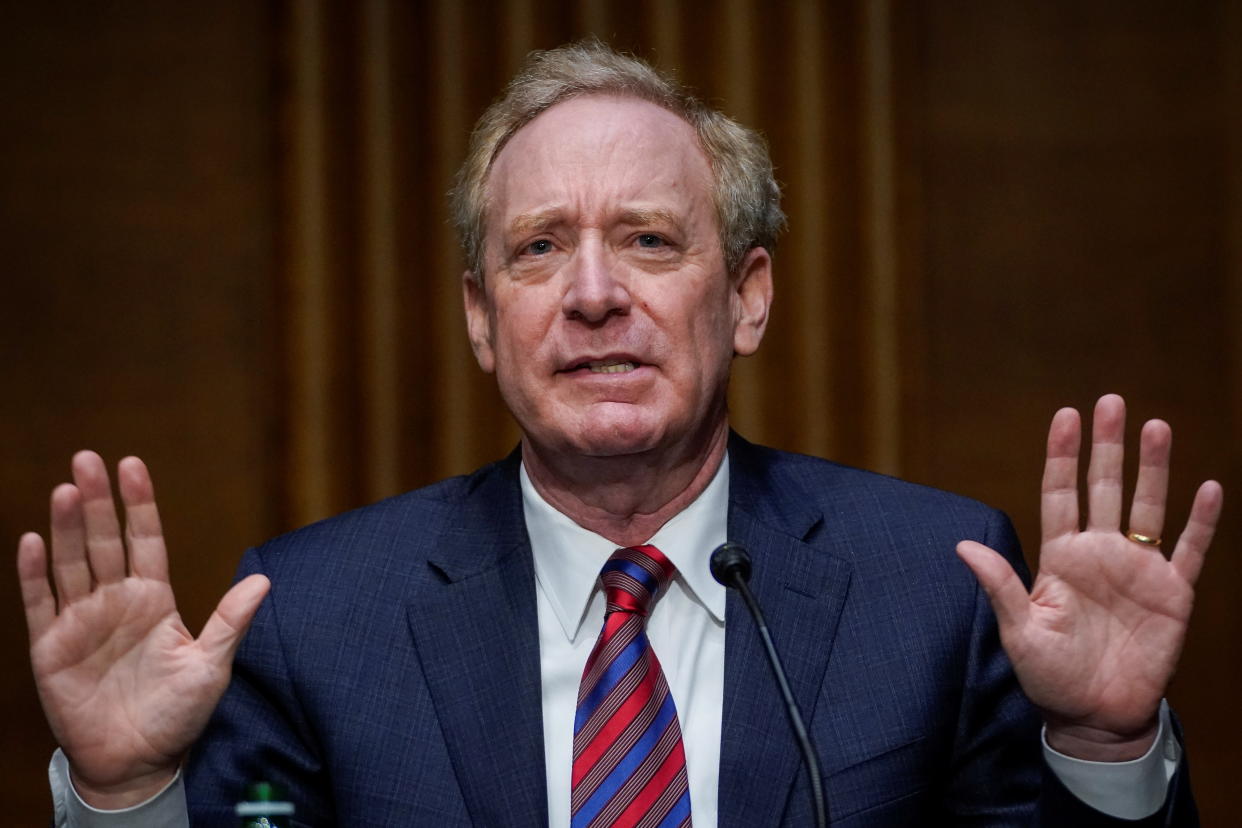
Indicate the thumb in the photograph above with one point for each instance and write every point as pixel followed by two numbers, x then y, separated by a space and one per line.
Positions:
pixel 226 626
pixel 1004 588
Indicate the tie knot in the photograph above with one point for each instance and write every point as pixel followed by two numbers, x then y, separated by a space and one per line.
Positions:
pixel 633 578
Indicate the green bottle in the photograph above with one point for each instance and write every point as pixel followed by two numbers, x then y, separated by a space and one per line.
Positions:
pixel 265 807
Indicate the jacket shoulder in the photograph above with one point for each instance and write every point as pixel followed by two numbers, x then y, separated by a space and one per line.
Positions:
pixel 844 493
pixel 398 529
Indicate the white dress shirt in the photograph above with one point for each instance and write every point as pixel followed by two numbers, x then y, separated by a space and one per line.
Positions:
pixel 685 627
pixel 687 631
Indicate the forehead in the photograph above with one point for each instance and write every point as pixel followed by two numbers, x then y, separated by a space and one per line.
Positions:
pixel 595 154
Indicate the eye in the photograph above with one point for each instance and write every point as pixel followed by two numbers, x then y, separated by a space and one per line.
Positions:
pixel 539 247
pixel 651 241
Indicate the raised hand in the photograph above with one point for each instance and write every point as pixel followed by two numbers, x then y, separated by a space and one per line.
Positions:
pixel 125 687
pixel 1097 640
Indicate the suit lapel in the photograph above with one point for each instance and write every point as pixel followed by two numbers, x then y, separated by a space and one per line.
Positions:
pixel 477 635
pixel 801 588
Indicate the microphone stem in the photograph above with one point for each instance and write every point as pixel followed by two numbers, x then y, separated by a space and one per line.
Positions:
pixel 795 717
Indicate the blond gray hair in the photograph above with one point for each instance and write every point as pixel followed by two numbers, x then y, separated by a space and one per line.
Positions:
pixel 745 191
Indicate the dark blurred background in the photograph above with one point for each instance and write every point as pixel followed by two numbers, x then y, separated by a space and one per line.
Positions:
pixel 224 248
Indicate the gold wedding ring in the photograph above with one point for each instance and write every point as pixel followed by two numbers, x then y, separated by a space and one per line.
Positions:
pixel 1146 540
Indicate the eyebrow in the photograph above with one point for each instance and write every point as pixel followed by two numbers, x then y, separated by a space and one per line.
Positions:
pixel 647 218
pixel 532 222
pixel 543 219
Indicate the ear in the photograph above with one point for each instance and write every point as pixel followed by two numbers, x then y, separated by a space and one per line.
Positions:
pixel 478 320
pixel 752 297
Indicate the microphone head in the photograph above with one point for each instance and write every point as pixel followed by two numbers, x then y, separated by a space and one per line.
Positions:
pixel 729 561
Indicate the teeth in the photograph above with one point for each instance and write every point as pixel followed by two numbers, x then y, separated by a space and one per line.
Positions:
pixel 611 367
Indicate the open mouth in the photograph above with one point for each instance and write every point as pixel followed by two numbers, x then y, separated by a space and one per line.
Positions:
pixel 605 366
pixel 611 366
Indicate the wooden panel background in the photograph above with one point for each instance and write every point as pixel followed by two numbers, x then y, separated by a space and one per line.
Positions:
pixel 225 249
pixel 1077 206
pixel 137 214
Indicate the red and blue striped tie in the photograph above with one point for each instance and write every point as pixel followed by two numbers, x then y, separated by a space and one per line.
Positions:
pixel 629 762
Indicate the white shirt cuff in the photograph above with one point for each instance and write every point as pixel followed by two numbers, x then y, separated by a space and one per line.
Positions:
pixel 1126 790
pixel 167 809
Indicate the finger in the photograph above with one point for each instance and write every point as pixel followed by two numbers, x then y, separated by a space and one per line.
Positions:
pixel 1004 588
pixel 36 591
pixel 1193 544
pixel 148 556
pixel 1058 505
pixel 1104 488
pixel 69 567
pixel 104 546
pixel 1152 488
pixel 226 626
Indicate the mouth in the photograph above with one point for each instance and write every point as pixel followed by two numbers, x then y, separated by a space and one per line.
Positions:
pixel 608 365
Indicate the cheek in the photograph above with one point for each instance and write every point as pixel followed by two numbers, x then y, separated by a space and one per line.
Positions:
pixel 701 344
pixel 517 323
pixel 522 344
pixel 712 320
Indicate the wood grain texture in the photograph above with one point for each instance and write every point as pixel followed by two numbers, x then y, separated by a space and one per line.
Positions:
pixel 138 213
pixel 1074 215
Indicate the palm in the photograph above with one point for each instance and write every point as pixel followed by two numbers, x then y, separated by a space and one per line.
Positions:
pixel 115 674
pixel 1097 640
pixel 125 687
pixel 1107 622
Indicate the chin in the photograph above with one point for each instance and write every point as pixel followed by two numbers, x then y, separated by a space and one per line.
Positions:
pixel 596 442
pixel 602 436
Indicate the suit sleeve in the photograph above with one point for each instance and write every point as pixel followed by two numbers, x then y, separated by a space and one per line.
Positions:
pixel 258 731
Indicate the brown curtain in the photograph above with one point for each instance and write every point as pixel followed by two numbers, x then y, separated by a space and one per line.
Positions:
pixel 384 393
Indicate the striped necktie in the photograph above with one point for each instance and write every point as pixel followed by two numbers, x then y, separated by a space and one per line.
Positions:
pixel 629 762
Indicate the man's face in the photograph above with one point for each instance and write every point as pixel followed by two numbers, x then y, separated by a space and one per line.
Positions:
pixel 606 311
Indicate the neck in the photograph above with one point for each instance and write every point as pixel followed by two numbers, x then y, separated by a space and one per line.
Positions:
pixel 628 498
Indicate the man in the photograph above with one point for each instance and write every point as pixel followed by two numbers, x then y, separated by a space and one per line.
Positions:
pixel 449 656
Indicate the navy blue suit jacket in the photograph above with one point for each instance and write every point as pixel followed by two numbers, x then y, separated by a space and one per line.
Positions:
pixel 392 676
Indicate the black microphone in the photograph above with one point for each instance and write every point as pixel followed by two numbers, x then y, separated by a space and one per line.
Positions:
pixel 730 565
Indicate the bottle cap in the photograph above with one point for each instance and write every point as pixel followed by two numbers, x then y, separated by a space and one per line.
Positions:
pixel 264 799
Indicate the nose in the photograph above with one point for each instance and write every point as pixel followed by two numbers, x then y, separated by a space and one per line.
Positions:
pixel 597 288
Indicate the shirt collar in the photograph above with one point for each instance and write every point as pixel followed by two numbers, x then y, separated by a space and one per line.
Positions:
pixel 568 557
